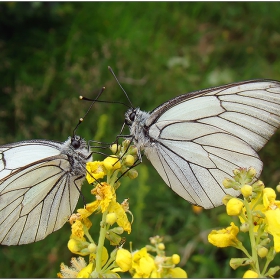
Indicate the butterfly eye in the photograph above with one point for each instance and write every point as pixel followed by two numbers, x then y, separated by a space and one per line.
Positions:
pixel 132 116
pixel 75 143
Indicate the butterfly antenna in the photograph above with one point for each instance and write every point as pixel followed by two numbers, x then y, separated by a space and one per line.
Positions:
pixel 93 101
pixel 111 70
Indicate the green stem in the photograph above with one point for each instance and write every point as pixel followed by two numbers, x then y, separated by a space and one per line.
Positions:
pixel 87 234
pixel 252 237
pixel 111 178
pixel 243 249
pixel 101 240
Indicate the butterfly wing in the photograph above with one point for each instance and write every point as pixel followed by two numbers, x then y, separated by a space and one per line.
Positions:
pixel 36 197
pixel 17 155
pixel 197 139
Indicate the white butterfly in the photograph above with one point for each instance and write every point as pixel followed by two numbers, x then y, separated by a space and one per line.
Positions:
pixel 196 140
pixel 39 187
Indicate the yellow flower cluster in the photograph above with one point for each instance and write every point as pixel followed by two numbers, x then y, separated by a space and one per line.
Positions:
pixel 142 264
pixel 259 215
pixel 114 223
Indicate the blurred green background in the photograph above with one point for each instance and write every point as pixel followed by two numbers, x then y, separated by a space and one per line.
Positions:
pixel 50 53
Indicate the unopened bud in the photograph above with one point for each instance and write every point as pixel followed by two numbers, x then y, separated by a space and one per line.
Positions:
pixel 132 174
pixel 244 227
pixel 115 148
pixel 262 252
pixel 129 160
pixel 246 190
pixel 161 246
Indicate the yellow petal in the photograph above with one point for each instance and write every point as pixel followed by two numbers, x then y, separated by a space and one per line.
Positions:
pixel 250 274
pixel 178 272
pixel 85 272
pixel 124 259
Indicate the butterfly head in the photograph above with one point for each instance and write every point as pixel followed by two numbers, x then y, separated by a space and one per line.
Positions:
pixel 130 116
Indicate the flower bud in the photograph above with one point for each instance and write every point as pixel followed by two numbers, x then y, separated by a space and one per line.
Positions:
pixel 111 218
pixel 266 241
pixel 236 172
pixel 92 248
pixel 258 186
pixel 252 172
pixel 262 252
pixel 114 238
pixel 129 160
pixel 115 148
pixel 226 199
pixel 246 190
pixel 237 262
pixel 272 271
pixel 234 207
pixel 126 143
pixel 133 151
pixel 227 183
pixel 161 246
pixel 244 227
pixel 117 230
pixel 175 258
pixel 132 174
pixel 278 187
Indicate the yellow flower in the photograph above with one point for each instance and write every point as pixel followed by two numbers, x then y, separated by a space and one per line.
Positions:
pixel 124 259
pixel 270 194
pixel 178 272
pixel 224 237
pixel 112 163
pixel 104 195
pixel 84 214
pixel 122 219
pixel 273 226
pixel 250 274
pixel 85 272
pixel 234 207
pixel 77 264
pixel 95 170
pixel 143 264
pixel 78 230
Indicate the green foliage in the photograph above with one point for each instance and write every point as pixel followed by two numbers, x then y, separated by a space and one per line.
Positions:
pixel 51 53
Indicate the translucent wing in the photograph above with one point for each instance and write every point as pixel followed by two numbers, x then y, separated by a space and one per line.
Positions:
pixel 196 140
pixel 17 155
pixel 38 188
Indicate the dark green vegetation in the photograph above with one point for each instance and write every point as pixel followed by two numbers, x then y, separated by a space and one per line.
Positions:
pixel 50 53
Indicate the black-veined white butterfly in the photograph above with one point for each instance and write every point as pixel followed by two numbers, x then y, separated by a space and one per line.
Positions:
pixel 39 187
pixel 40 183
pixel 196 140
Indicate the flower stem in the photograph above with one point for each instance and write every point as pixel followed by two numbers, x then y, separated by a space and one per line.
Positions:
pixel 100 245
pixel 111 178
pixel 252 237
